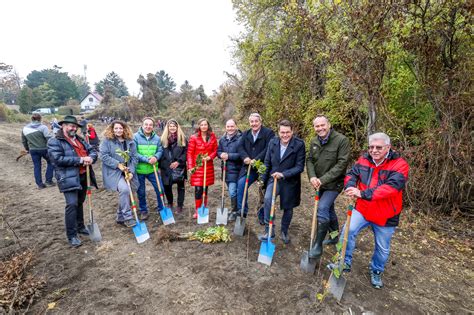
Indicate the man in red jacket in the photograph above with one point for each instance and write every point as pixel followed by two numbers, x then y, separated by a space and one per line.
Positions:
pixel 377 181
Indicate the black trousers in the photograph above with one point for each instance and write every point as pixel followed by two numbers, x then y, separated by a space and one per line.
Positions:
pixel 169 193
pixel 74 212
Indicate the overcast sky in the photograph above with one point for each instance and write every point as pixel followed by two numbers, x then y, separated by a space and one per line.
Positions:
pixel 189 39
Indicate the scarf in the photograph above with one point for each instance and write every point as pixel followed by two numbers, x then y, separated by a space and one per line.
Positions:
pixel 172 138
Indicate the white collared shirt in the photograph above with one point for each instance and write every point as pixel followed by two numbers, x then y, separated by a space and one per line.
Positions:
pixel 255 135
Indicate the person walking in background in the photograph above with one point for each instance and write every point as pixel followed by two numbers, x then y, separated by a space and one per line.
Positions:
pixel 376 181
pixel 252 146
pixel 284 161
pixel 228 151
pixel 173 162
pixel 34 137
pixel 115 169
pixel 149 152
pixel 70 154
pixel 203 142
pixel 327 162
pixel 92 136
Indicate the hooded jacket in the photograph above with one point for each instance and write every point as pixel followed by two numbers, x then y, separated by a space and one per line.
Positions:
pixel 34 136
pixel 146 148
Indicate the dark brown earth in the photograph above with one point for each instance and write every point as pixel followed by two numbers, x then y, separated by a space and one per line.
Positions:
pixel 430 269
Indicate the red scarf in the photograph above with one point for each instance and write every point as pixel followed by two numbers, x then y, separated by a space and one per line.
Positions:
pixel 80 150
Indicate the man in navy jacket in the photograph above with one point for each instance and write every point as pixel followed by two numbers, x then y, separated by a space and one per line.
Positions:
pixel 252 146
pixel 284 160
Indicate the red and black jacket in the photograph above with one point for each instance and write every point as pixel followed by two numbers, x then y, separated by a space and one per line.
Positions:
pixel 381 187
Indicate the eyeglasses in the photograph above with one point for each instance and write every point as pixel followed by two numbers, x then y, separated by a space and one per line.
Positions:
pixel 377 147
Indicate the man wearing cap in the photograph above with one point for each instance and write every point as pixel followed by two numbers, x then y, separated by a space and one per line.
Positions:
pixel 34 137
pixel 252 146
pixel 149 151
pixel 70 154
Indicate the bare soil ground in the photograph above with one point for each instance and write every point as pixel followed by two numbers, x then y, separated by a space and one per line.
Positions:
pixel 430 269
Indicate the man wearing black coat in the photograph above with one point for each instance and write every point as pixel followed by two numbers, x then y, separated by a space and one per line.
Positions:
pixel 285 159
pixel 252 146
pixel 70 155
pixel 228 152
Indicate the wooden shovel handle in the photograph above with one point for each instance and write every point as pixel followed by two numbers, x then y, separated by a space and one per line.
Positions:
pixel 245 190
pixel 346 233
pixel 132 199
pixel 223 184
pixel 313 222
pixel 204 184
pixel 272 211
pixel 159 185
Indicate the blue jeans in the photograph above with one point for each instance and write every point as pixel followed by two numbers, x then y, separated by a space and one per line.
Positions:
pixel 36 156
pixel 240 191
pixel 326 210
pixel 74 211
pixel 142 191
pixel 382 236
pixel 287 213
pixel 232 187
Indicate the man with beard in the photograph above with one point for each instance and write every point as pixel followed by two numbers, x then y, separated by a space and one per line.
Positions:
pixel 70 155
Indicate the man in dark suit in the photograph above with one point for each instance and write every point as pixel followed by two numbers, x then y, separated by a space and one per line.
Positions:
pixel 285 161
pixel 252 146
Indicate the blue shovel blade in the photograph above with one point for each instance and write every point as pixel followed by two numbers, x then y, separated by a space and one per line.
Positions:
pixel 203 215
pixel 141 232
pixel 267 249
pixel 167 216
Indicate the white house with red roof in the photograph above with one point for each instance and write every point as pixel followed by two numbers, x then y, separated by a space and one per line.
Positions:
pixel 90 101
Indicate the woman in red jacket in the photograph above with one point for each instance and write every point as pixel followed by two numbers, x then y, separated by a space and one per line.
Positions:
pixel 202 142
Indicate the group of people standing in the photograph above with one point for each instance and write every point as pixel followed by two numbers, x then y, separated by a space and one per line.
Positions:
pixel 376 181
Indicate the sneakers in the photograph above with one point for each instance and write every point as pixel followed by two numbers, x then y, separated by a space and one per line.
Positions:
pixel 74 241
pixel 130 223
pixel 346 268
pixel 144 216
pixel 285 237
pixel 83 231
pixel 42 186
pixel 376 279
pixel 50 184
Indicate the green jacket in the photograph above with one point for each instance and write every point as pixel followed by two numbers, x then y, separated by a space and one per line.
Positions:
pixel 146 148
pixel 329 161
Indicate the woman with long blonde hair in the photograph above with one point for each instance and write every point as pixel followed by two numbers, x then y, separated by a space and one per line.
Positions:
pixel 173 162
pixel 116 170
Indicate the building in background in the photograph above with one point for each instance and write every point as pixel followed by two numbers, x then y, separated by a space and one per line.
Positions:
pixel 90 102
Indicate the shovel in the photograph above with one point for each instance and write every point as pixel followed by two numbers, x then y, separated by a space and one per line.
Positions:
pixel 222 213
pixel 267 248
pixel 140 230
pixel 307 264
pixel 337 282
pixel 92 227
pixel 239 227
pixel 166 213
pixel 203 211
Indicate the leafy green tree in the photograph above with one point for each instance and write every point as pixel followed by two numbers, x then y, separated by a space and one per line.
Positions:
pixel 115 82
pixel 81 84
pixel 25 99
pixel 201 95
pixel 186 92
pixel 10 84
pixel 60 82
pixel 165 83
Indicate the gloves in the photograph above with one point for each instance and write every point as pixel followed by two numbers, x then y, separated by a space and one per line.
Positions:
pixel 128 176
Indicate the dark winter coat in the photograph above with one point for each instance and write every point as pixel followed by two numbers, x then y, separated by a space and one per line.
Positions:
pixel 172 154
pixel 198 145
pixel 329 161
pixel 291 165
pixel 381 187
pixel 254 150
pixel 234 162
pixel 66 162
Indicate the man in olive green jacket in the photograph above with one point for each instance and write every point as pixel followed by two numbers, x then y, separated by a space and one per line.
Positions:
pixel 326 165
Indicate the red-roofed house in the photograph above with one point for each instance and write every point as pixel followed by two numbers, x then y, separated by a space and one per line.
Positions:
pixel 90 102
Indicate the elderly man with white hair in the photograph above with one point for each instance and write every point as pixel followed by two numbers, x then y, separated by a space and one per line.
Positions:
pixel 377 181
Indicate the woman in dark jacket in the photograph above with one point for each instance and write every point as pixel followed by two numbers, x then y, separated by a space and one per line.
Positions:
pixel 228 151
pixel 115 169
pixel 173 162
pixel 203 142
